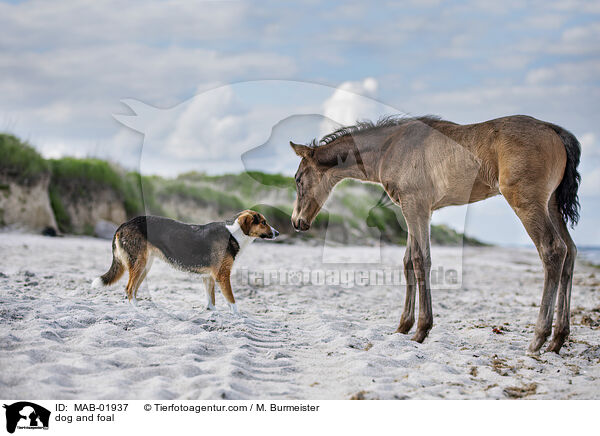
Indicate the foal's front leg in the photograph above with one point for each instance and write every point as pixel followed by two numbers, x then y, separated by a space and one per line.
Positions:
pixel 417 219
pixel 422 265
pixel 408 315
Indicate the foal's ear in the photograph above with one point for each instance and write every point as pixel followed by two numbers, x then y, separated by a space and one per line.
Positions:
pixel 302 150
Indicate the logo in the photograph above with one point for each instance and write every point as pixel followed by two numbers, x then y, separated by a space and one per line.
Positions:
pixel 25 415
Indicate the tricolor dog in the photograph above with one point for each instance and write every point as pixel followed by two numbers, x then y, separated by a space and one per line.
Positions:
pixel 209 249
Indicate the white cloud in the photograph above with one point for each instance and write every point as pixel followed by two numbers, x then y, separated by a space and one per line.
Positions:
pixel 576 40
pixel 545 21
pixel 585 6
pixel 211 131
pixel 590 183
pixel 589 147
pixel 568 72
pixel 38 23
pixel 511 61
pixel 348 103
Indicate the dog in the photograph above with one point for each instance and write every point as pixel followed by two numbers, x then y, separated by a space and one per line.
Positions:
pixel 209 250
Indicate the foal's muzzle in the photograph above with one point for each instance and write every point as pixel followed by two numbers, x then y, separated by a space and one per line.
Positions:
pixel 300 225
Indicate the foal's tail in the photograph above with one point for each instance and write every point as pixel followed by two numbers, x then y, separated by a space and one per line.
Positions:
pixel 566 193
pixel 116 270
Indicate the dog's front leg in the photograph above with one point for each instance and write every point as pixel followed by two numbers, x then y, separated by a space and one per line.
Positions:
pixel 223 277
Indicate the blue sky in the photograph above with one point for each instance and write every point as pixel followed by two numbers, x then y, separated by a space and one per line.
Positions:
pixel 66 66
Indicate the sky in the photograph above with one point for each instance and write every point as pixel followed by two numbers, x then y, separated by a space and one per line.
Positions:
pixel 170 86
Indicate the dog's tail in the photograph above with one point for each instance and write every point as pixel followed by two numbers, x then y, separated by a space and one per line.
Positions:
pixel 116 270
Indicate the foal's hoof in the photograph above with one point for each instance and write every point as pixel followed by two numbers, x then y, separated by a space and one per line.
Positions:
pixel 555 345
pixel 404 327
pixel 536 344
pixel 552 348
pixel 419 336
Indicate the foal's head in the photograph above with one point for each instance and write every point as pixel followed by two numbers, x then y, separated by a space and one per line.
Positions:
pixel 313 185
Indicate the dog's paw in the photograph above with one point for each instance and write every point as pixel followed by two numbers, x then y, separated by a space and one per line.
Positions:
pixel 234 309
pixel 211 307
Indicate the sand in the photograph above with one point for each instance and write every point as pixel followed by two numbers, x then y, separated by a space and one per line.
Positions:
pixel 59 339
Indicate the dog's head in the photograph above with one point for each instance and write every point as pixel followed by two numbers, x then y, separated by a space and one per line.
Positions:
pixel 255 225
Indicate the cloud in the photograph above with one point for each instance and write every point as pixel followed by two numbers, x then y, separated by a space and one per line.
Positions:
pixel 572 72
pixel 590 184
pixel 589 145
pixel 574 41
pixel 347 104
pixel 212 130
pixel 77 23
pixel 590 168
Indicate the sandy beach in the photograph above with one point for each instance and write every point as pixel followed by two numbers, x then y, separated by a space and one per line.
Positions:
pixel 59 339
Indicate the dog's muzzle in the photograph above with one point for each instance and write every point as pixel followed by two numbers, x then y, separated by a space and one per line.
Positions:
pixel 273 235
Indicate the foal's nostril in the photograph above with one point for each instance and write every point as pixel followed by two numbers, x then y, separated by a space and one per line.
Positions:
pixel 303 225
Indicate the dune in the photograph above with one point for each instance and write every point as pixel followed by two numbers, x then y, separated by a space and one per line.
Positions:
pixel 295 339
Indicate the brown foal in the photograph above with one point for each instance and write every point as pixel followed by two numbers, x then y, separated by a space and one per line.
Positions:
pixel 427 163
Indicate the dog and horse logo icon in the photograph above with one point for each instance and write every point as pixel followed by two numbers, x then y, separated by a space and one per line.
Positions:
pixel 26 415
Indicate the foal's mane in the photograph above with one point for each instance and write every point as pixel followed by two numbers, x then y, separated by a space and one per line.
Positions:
pixel 367 126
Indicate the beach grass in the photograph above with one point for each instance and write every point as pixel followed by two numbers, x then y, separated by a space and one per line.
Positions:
pixel 19 160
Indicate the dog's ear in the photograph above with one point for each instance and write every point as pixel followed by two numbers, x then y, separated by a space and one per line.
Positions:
pixel 246 219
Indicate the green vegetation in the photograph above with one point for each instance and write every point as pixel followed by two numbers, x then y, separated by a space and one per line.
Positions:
pixel 63 220
pixel 203 196
pixel 84 174
pixel 386 221
pixel 276 180
pixel 20 161
pixel 132 199
pixel 73 179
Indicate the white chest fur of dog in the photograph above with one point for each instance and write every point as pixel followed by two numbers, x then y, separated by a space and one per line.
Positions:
pixel 242 239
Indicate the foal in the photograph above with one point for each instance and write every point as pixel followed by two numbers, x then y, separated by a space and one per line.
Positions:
pixel 427 163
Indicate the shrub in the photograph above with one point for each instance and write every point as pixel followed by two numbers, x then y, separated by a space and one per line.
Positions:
pixel 203 196
pixel 20 160
pixel 88 173
pixel 62 217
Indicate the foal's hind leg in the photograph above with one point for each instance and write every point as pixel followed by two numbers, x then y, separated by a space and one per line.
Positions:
pixel 534 215
pixel 563 312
